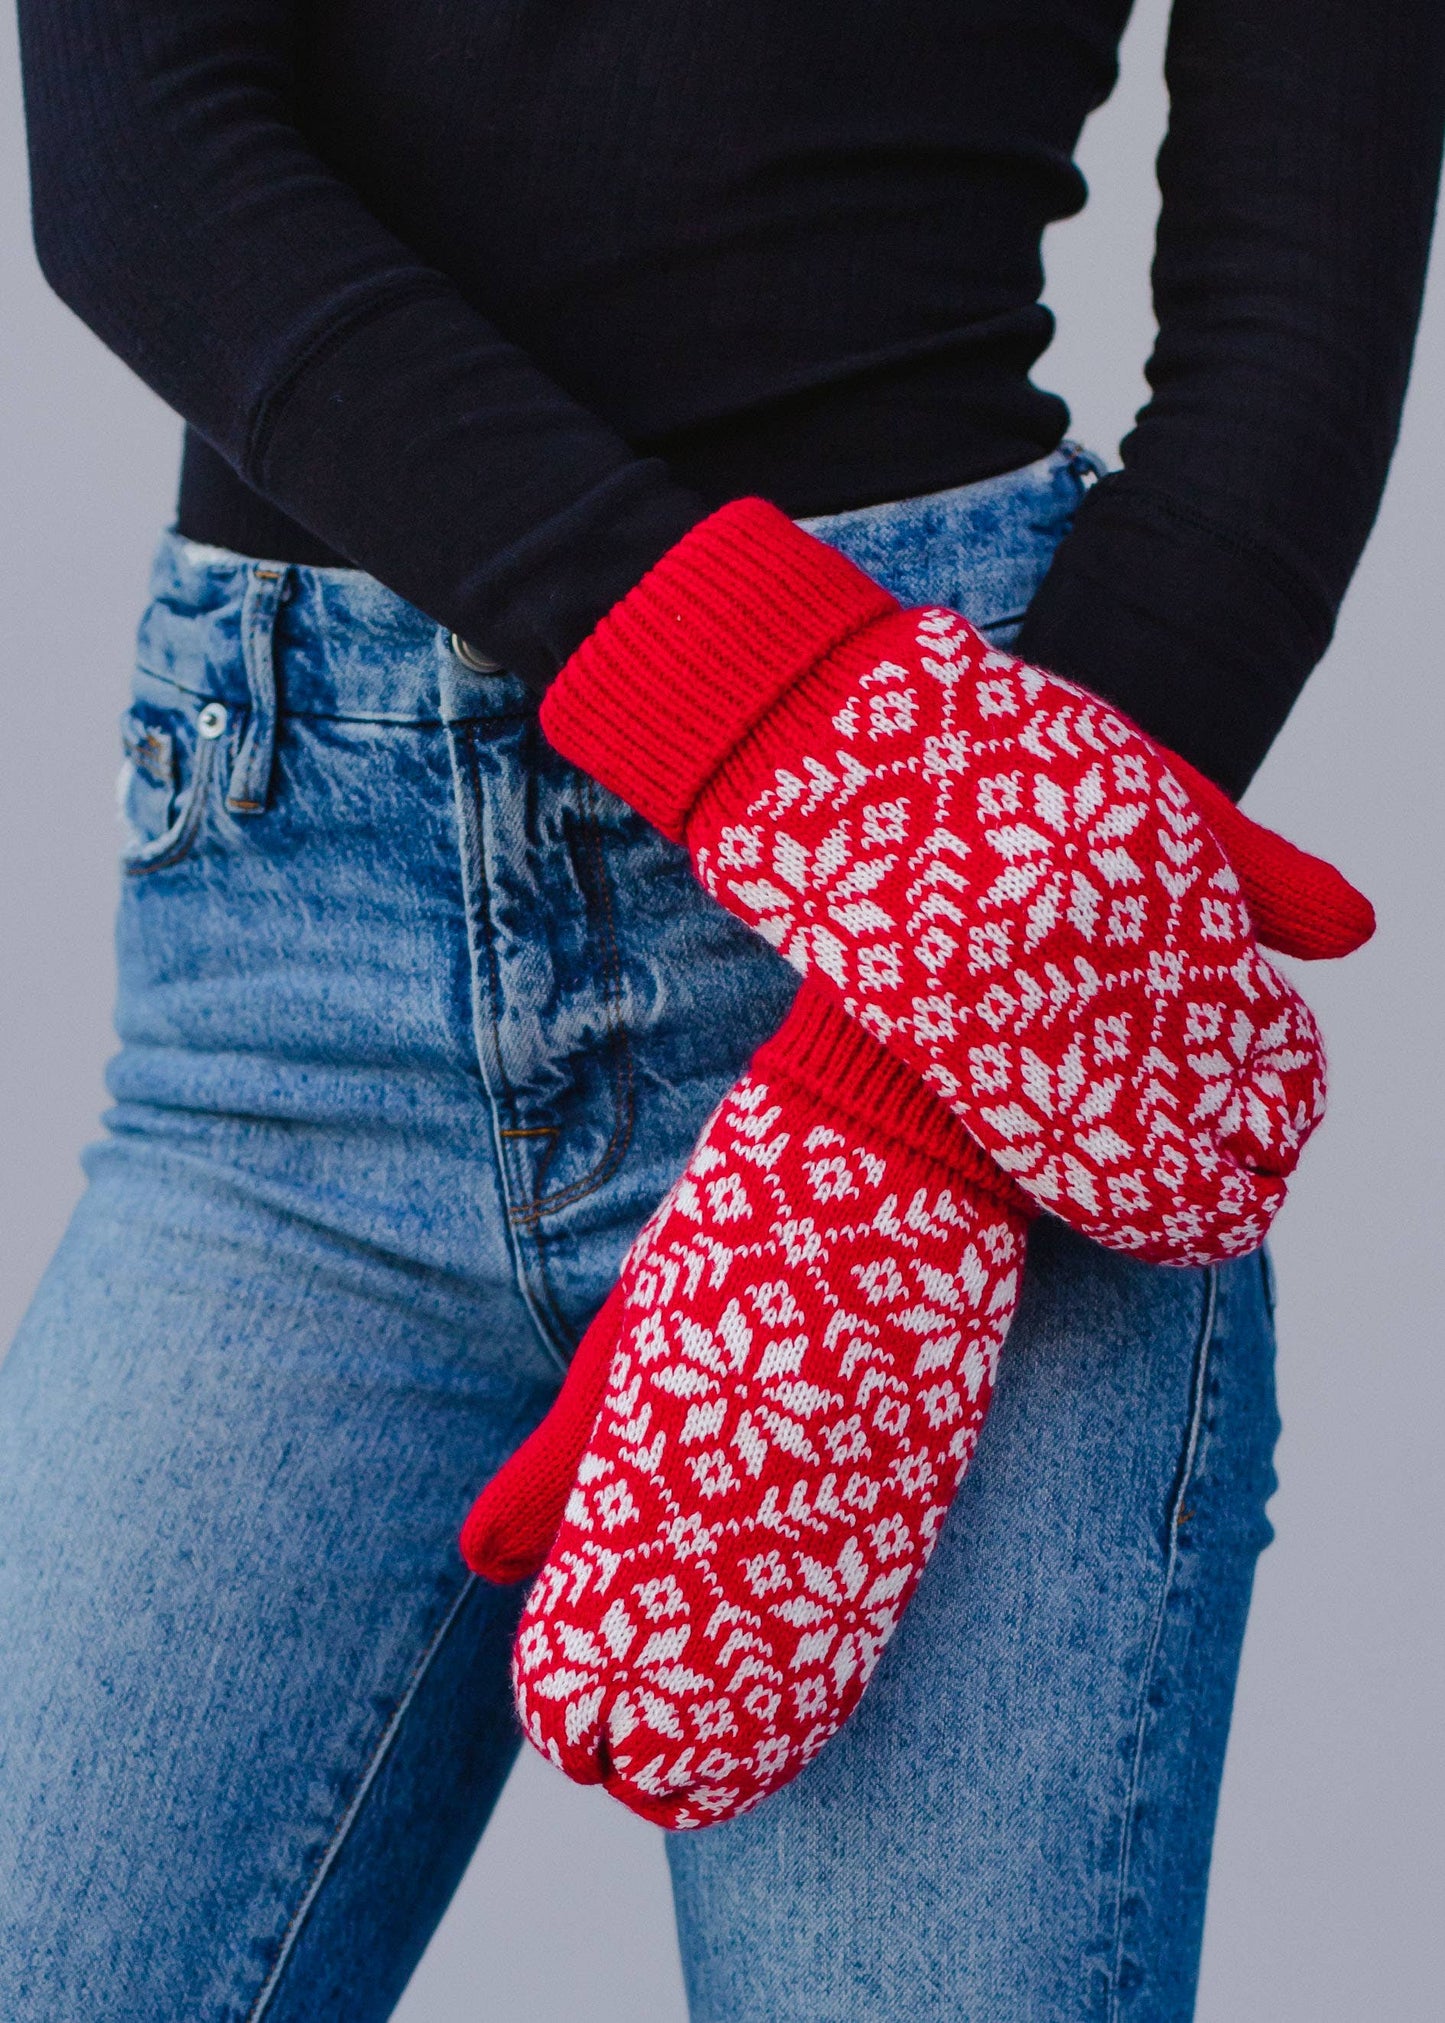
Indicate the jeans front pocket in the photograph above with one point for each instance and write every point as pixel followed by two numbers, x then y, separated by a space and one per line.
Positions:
pixel 171 742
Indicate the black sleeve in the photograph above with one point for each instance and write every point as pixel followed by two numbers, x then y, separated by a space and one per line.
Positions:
pixel 1200 583
pixel 179 211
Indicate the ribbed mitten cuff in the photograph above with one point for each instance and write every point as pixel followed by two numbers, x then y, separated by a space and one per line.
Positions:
pixel 681 669
pixel 821 1049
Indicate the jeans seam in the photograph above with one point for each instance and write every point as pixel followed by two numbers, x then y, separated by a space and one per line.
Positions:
pixel 1197 1384
pixel 352 1813
pixel 529 1270
pixel 184 831
pixel 623 1080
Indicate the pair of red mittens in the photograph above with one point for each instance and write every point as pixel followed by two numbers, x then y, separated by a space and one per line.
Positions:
pixel 1037 913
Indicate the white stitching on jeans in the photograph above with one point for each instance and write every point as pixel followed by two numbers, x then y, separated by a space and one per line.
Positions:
pixel 349 1817
pixel 1198 1379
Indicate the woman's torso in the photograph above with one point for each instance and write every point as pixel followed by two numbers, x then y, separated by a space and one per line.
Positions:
pixel 791 251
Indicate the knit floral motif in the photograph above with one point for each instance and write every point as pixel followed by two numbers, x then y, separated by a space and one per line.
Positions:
pixel 1003 880
pixel 804 1352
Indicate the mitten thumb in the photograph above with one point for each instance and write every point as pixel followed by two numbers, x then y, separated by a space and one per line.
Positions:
pixel 510 1528
pixel 1297 903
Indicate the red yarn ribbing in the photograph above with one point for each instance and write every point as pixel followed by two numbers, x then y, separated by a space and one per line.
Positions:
pixel 678 671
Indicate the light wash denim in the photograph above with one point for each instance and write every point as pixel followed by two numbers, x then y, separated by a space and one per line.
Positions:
pixel 416 1026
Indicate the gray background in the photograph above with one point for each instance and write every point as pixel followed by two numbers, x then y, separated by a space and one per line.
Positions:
pixel 1327 1896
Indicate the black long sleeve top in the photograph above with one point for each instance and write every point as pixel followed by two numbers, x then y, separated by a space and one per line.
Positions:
pixel 495 301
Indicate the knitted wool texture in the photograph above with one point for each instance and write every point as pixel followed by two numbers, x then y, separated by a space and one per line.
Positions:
pixel 992 871
pixel 794 1371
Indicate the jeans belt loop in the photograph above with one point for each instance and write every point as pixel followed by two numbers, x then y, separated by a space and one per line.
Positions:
pixel 250 786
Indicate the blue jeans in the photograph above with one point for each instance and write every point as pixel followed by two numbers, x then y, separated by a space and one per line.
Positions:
pixel 416 1026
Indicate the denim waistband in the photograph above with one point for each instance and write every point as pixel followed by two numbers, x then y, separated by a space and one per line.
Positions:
pixel 345 646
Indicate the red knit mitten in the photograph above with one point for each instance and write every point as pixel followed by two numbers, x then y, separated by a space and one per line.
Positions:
pixel 794 1370
pixel 991 870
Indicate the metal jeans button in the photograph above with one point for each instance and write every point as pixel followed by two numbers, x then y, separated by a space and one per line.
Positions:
pixel 469 657
pixel 212 720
